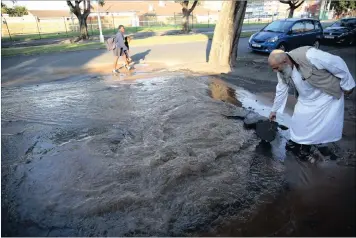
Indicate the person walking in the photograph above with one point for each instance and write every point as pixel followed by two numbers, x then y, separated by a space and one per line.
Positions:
pixel 121 50
pixel 320 81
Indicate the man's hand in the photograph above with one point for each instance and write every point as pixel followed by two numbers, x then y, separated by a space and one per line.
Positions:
pixel 348 92
pixel 272 116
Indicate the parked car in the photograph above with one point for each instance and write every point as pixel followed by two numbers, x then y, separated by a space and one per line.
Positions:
pixel 287 34
pixel 342 31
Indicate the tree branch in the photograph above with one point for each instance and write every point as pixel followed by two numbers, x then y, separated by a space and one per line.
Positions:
pixel 77 5
pixel 285 1
pixel 74 9
pixel 298 5
pixel 184 4
pixel 89 6
pixel 87 10
pixel 70 5
pixel 194 5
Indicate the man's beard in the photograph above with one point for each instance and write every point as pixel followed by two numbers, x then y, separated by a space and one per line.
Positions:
pixel 286 72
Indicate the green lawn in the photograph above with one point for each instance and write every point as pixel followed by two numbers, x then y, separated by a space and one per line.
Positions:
pixel 31 50
pixel 95 32
pixel 92 32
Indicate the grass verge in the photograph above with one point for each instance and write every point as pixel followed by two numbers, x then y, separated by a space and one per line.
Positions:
pixel 93 32
pixel 43 49
pixel 155 40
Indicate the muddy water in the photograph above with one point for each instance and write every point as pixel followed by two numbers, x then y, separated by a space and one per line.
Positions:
pixel 105 157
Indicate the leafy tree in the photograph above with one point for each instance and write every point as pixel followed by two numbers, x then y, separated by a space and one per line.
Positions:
pixel 17 11
pixel 3 9
pixel 343 6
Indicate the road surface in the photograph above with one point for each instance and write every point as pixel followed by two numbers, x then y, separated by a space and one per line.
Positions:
pixel 194 52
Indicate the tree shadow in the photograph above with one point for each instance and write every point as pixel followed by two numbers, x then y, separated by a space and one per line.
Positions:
pixel 207 50
pixel 173 32
pixel 140 56
pixel 143 35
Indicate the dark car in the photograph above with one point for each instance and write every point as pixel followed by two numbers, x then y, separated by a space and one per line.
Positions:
pixel 342 31
pixel 287 34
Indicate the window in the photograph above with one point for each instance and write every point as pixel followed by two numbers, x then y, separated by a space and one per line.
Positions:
pixel 338 24
pixel 345 23
pixel 351 23
pixel 298 27
pixel 317 26
pixel 278 26
pixel 309 26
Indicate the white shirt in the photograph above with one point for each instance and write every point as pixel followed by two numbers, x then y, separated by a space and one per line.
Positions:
pixel 318 117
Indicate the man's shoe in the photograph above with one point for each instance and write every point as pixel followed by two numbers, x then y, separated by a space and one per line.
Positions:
pixel 304 152
pixel 311 159
pixel 115 71
pixel 292 146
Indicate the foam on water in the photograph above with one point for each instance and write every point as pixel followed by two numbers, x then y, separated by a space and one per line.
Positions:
pixel 150 157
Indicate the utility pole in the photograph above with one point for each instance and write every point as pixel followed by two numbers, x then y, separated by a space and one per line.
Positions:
pixel 101 37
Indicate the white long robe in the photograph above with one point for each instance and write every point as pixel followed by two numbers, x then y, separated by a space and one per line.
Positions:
pixel 318 117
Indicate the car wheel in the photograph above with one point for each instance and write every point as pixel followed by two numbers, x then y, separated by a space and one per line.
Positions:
pixel 282 46
pixel 316 44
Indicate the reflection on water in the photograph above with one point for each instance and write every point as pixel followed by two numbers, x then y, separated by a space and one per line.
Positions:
pixel 220 91
pixel 94 157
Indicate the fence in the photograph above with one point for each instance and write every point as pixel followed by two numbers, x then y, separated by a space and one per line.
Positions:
pixel 24 28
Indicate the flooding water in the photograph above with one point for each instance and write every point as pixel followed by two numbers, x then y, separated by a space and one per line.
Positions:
pixel 154 157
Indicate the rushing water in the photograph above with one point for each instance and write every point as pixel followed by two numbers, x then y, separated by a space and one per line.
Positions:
pixel 99 157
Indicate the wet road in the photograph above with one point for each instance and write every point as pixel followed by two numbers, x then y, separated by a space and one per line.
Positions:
pixel 153 157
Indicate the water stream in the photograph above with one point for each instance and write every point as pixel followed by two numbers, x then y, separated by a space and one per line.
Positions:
pixel 150 157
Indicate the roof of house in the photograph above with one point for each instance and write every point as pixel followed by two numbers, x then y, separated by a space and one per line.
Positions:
pixel 169 8
pixel 50 13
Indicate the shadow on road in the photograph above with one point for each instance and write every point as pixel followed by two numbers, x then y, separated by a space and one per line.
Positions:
pixel 143 35
pixel 140 56
pixel 172 32
pixel 208 48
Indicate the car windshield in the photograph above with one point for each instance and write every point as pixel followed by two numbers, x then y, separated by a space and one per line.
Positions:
pixel 278 26
pixel 339 24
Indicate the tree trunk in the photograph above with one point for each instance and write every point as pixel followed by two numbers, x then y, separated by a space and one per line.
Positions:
pixel 293 4
pixel 186 13
pixel 82 16
pixel 185 22
pixel 83 27
pixel 227 33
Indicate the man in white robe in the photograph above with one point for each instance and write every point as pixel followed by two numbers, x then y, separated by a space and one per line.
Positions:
pixel 318 116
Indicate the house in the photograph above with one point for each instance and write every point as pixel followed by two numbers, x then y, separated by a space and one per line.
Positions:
pixel 146 12
pixel 46 14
